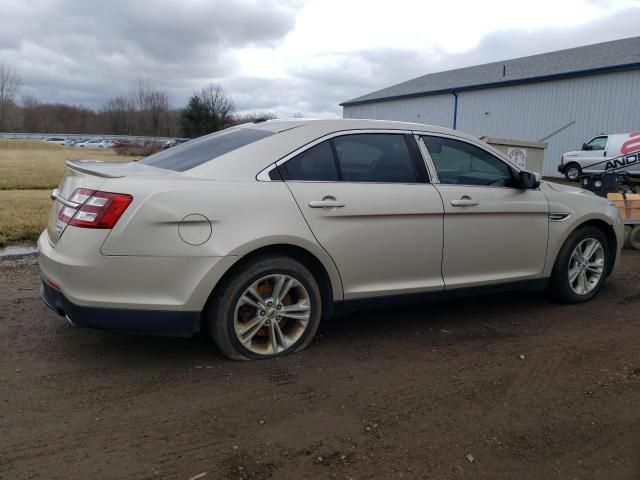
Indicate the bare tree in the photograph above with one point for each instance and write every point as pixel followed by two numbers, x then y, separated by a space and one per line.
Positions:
pixel 119 115
pixel 218 104
pixel 31 114
pixel 153 107
pixel 10 83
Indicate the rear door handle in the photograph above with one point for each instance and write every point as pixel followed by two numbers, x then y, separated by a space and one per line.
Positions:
pixel 326 202
pixel 464 201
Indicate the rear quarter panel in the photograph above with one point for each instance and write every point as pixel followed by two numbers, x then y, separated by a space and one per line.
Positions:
pixel 244 216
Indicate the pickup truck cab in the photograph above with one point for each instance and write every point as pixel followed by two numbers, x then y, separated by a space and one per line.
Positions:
pixel 614 151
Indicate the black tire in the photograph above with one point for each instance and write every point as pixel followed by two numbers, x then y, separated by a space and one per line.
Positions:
pixel 222 307
pixel 559 285
pixel 568 173
pixel 634 237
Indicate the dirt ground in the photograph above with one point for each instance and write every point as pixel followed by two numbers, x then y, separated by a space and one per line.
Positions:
pixel 499 387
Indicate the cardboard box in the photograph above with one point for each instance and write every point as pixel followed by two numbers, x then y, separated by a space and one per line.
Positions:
pixel 632 201
pixel 618 200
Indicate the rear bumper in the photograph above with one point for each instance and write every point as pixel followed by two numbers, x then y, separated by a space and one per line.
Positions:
pixel 146 283
pixel 149 322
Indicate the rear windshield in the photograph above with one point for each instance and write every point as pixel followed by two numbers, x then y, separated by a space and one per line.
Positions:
pixel 201 150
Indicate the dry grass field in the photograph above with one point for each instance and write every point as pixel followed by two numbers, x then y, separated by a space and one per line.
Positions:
pixel 29 165
pixel 23 215
pixel 28 172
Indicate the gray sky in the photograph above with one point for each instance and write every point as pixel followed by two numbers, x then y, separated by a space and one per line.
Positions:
pixel 285 56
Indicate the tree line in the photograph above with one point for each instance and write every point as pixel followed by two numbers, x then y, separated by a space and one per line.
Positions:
pixel 144 111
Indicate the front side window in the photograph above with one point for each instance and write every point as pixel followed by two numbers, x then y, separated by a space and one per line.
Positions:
pixel 200 150
pixel 598 143
pixel 461 163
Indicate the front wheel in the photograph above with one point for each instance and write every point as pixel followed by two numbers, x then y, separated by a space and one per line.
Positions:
pixel 581 266
pixel 573 172
pixel 264 309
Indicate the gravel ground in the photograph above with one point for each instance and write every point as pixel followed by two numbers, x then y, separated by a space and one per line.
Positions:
pixel 498 387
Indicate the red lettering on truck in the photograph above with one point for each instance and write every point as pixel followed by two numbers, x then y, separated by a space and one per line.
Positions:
pixel 632 144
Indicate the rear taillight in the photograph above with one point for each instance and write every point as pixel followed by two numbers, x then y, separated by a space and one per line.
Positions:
pixel 96 209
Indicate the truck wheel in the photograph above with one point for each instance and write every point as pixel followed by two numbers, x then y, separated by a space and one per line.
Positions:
pixel 573 172
pixel 634 237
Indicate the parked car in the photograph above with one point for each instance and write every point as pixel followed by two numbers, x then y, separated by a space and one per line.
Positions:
pixel 173 142
pixel 80 142
pixel 56 140
pixel 603 153
pixel 261 230
pixel 96 143
pixel 74 142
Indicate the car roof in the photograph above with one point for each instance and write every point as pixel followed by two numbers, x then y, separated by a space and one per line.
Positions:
pixel 246 162
pixel 329 125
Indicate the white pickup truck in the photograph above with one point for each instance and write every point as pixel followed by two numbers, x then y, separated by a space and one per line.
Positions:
pixel 614 151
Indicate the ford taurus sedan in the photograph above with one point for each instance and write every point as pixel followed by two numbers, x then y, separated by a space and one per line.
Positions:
pixel 257 232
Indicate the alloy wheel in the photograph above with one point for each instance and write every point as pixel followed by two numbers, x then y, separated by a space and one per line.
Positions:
pixel 272 314
pixel 586 266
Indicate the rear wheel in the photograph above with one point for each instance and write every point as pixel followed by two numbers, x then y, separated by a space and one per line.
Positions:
pixel 268 308
pixel 581 266
pixel 573 172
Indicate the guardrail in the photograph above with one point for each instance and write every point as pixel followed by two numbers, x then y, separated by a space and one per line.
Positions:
pixel 42 136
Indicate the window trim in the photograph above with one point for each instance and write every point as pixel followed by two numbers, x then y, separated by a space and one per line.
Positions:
pixel 432 167
pixel 263 175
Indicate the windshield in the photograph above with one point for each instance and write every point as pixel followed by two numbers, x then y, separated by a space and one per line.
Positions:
pixel 200 150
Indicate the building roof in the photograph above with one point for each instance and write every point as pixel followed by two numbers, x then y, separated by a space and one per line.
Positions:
pixel 598 58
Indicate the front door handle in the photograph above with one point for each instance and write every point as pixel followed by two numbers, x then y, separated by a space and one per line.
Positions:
pixel 464 201
pixel 326 202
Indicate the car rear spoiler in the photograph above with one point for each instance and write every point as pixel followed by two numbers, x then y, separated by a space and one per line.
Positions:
pixel 93 167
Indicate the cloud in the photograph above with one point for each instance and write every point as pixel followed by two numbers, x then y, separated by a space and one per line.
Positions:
pixel 63 48
pixel 285 56
pixel 317 83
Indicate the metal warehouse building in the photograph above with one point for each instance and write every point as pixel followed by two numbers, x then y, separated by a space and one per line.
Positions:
pixel 563 98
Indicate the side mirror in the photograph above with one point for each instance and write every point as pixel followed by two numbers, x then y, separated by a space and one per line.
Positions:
pixel 529 180
pixel 585 147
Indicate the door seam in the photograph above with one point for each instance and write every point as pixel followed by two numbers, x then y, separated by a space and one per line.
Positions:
pixel 316 239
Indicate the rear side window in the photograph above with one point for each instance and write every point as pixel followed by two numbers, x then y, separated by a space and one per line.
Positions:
pixel 196 152
pixel 315 164
pixel 376 157
pixel 366 157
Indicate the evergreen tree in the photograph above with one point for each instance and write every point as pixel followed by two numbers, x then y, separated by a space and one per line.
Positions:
pixel 207 111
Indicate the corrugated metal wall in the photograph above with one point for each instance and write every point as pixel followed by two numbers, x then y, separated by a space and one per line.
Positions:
pixel 433 110
pixel 598 103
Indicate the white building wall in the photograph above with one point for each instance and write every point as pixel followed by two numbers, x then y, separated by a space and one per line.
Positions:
pixel 598 103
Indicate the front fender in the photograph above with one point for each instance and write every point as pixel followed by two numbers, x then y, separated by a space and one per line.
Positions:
pixel 560 231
